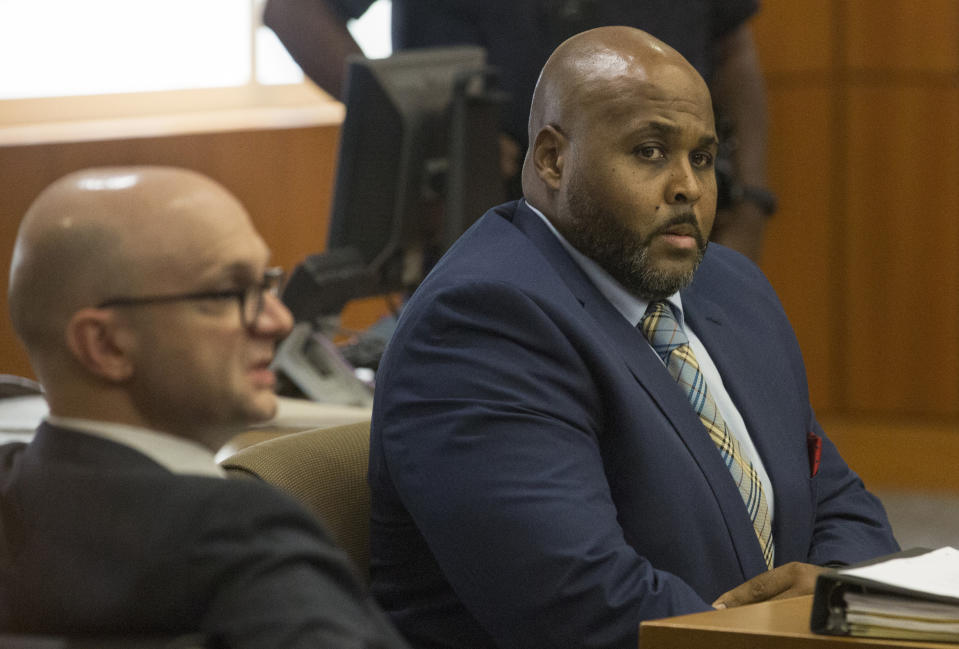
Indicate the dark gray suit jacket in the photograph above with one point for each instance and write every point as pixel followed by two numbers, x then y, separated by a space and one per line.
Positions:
pixel 101 539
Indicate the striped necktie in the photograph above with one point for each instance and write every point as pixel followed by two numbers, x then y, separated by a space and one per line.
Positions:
pixel 669 340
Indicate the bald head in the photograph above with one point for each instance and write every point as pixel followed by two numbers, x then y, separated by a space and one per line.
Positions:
pixel 592 75
pixel 104 232
pixel 594 67
pixel 144 297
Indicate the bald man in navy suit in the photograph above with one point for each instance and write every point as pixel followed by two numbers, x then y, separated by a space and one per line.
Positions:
pixel 540 476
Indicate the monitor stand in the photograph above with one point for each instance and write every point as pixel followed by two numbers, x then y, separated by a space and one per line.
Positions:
pixel 308 364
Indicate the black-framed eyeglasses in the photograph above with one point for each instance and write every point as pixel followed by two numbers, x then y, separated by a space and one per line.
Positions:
pixel 250 298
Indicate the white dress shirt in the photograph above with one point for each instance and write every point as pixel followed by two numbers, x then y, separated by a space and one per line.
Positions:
pixel 633 309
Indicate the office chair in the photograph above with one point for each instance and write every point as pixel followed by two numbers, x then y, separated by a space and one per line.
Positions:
pixel 326 470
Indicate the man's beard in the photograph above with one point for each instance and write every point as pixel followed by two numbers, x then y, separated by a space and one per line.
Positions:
pixel 621 252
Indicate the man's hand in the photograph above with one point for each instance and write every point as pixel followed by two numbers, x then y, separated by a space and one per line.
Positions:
pixel 791 580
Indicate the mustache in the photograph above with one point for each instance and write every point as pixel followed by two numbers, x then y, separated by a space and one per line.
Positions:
pixel 686 218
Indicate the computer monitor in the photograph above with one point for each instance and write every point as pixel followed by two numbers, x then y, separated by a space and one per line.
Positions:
pixel 418 163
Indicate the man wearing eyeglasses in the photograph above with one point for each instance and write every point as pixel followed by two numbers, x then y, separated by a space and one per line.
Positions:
pixel 145 301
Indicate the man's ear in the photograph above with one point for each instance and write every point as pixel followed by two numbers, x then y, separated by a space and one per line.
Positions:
pixel 101 344
pixel 549 155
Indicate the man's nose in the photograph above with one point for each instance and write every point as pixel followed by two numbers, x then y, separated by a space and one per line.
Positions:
pixel 275 319
pixel 684 184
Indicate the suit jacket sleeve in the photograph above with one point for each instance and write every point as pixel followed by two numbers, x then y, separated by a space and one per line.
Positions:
pixel 274 579
pixel 490 431
pixel 851 524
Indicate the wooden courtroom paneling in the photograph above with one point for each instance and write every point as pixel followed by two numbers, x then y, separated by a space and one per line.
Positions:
pixel 864 152
pixel 283 176
pixel 799 253
pixel 902 284
pixel 794 36
pixel 864 252
pixel 902 35
pixel 898 452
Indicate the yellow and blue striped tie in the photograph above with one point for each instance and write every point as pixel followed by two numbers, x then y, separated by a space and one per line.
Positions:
pixel 670 342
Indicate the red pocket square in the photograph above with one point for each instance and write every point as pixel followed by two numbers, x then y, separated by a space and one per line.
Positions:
pixel 814 447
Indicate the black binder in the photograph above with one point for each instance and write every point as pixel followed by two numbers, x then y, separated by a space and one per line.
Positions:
pixel 829 608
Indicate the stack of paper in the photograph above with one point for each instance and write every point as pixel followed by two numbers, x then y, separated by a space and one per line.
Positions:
pixel 887 616
pixel 905 597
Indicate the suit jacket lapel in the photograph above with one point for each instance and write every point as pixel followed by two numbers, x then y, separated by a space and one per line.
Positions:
pixel 652 377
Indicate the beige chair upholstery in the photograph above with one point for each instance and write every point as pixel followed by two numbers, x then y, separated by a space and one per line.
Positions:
pixel 325 469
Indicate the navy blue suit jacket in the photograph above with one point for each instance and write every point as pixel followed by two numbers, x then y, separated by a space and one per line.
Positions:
pixel 538 478
pixel 100 539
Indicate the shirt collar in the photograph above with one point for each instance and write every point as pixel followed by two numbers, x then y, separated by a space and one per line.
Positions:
pixel 177 454
pixel 633 308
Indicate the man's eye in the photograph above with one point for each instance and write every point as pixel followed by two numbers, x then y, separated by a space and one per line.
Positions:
pixel 650 152
pixel 701 160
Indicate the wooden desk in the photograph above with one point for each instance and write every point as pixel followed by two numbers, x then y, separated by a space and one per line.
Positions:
pixel 782 624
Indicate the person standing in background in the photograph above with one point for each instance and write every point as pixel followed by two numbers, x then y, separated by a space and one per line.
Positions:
pixel 519 35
